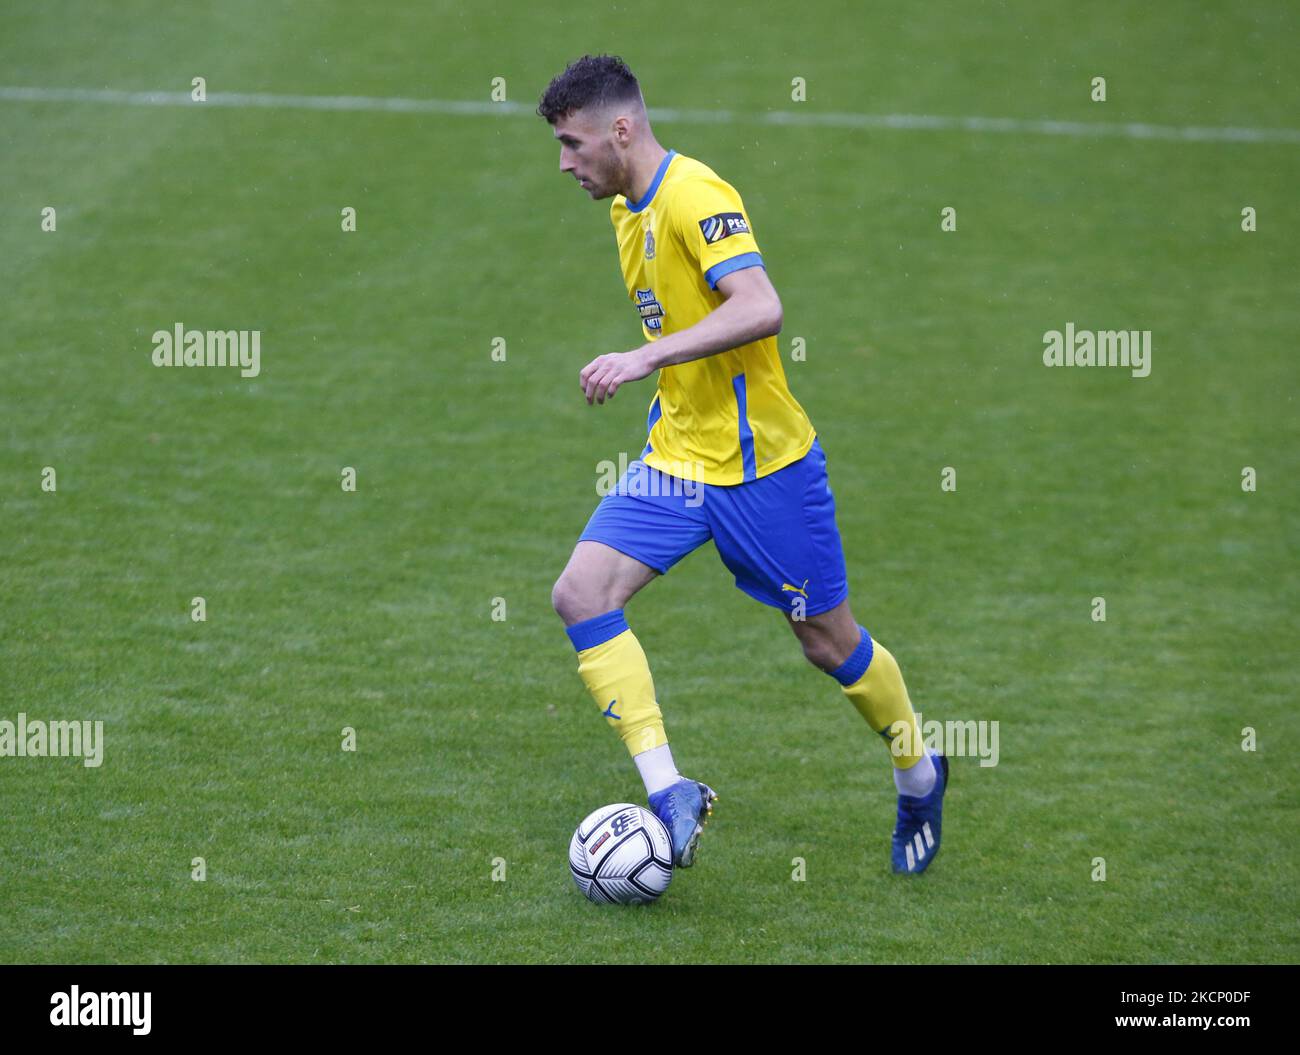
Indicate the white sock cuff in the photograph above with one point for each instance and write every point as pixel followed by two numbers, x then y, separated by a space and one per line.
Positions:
pixel 657 769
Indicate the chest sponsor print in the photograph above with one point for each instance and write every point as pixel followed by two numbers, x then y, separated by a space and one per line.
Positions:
pixel 652 312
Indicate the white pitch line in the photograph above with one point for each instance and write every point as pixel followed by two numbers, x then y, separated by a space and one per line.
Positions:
pixel 799 118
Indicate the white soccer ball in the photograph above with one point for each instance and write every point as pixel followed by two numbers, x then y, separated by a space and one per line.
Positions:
pixel 621 855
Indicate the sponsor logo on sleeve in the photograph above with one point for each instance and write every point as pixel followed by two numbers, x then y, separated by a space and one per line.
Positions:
pixel 723 225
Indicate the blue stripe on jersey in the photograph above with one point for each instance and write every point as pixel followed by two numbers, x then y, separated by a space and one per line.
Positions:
pixel 746 433
pixel 736 263
pixel 637 206
pixel 655 414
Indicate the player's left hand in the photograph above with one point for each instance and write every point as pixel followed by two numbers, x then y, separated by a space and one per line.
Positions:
pixel 601 377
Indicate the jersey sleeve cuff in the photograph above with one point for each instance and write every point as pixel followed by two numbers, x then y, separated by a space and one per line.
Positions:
pixel 726 267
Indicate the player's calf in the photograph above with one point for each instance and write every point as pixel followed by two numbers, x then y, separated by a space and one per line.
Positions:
pixel 828 638
pixel 871 679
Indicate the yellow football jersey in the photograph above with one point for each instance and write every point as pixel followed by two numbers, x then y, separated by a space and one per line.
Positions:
pixel 728 417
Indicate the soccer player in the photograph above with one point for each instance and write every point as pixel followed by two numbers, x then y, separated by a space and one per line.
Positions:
pixel 731 456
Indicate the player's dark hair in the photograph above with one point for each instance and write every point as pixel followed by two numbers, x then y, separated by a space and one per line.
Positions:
pixel 591 81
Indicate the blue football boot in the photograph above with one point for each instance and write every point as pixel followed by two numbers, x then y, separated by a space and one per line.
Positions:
pixel 684 808
pixel 916 835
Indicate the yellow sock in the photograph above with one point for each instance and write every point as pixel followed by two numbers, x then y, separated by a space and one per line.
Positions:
pixel 874 685
pixel 616 673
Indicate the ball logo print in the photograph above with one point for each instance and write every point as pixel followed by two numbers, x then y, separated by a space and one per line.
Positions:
pixel 621 855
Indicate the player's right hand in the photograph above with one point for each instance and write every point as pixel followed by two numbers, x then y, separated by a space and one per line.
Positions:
pixel 601 377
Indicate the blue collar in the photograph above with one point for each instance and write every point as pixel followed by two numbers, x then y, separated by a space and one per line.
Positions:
pixel 637 206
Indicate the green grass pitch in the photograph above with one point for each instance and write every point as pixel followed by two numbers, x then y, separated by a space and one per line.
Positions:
pixel 372 609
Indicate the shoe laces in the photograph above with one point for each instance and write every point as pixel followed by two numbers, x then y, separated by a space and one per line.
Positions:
pixel 675 806
pixel 910 808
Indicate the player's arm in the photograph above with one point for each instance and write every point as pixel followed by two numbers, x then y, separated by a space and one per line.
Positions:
pixel 750 312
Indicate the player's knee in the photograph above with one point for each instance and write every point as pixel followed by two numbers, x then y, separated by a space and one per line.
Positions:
pixel 564 598
pixel 819 650
pixel 574 600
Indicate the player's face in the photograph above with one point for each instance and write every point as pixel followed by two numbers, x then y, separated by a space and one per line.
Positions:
pixel 587 152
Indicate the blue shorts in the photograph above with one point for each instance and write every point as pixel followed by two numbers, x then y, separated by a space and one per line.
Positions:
pixel 776 534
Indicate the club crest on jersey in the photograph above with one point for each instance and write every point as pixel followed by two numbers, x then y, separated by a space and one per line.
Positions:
pixel 724 225
pixel 649 244
pixel 652 312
